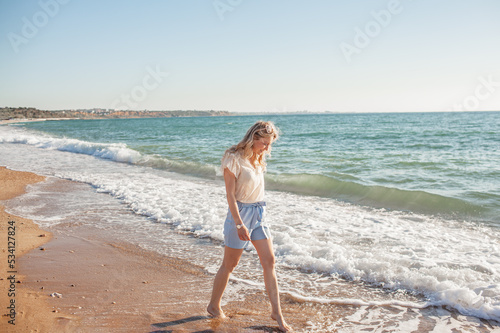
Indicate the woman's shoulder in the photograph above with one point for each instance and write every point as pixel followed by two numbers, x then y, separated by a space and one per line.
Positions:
pixel 232 160
pixel 232 154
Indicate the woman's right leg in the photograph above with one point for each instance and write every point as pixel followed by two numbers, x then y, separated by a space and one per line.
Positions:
pixel 231 259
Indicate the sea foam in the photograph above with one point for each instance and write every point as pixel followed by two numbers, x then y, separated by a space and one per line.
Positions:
pixel 448 262
pixel 114 151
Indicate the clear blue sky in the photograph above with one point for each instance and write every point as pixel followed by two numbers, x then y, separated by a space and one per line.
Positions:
pixel 251 55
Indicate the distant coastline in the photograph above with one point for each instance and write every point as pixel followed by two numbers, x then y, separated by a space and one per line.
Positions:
pixel 26 113
pixel 23 114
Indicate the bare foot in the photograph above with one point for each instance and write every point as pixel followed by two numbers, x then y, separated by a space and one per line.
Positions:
pixel 283 326
pixel 215 312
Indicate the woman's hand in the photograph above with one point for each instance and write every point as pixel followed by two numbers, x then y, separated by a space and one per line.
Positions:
pixel 243 233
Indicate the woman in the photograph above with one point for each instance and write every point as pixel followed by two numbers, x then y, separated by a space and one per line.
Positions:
pixel 243 166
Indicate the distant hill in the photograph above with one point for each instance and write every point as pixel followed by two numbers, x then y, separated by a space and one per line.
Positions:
pixel 8 113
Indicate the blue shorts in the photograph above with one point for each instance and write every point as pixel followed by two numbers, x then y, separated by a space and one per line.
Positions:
pixel 252 215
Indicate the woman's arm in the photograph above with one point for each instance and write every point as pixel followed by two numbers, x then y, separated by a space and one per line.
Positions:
pixel 230 181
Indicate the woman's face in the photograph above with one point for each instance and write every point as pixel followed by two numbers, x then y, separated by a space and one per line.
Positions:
pixel 261 145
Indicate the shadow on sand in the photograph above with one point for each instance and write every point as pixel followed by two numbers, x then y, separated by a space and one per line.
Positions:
pixel 179 322
pixel 195 318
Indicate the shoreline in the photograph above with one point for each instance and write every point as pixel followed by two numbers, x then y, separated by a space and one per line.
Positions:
pixel 108 286
pixel 31 310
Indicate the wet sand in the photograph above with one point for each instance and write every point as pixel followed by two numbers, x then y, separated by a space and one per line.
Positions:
pixel 32 311
pixel 101 285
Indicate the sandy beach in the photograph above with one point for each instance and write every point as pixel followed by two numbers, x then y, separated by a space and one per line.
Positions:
pixel 100 285
pixel 76 278
pixel 32 310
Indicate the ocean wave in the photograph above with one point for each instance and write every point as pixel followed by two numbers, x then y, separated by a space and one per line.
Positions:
pixel 183 167
pixel 328 186
pixel 350 190
pixel 117 152
pixel 111 151
pixel 374 195
pixel 450 262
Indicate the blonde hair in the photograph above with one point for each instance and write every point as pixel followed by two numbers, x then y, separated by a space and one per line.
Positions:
pixel 261 129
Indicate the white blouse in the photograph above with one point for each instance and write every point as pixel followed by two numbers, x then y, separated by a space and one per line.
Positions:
pixel 249 180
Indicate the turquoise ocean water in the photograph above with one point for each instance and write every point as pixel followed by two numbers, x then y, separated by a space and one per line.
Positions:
pixel 400 211
pixel 435 163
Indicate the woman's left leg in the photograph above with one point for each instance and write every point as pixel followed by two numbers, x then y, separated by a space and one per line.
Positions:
pixel 265 251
